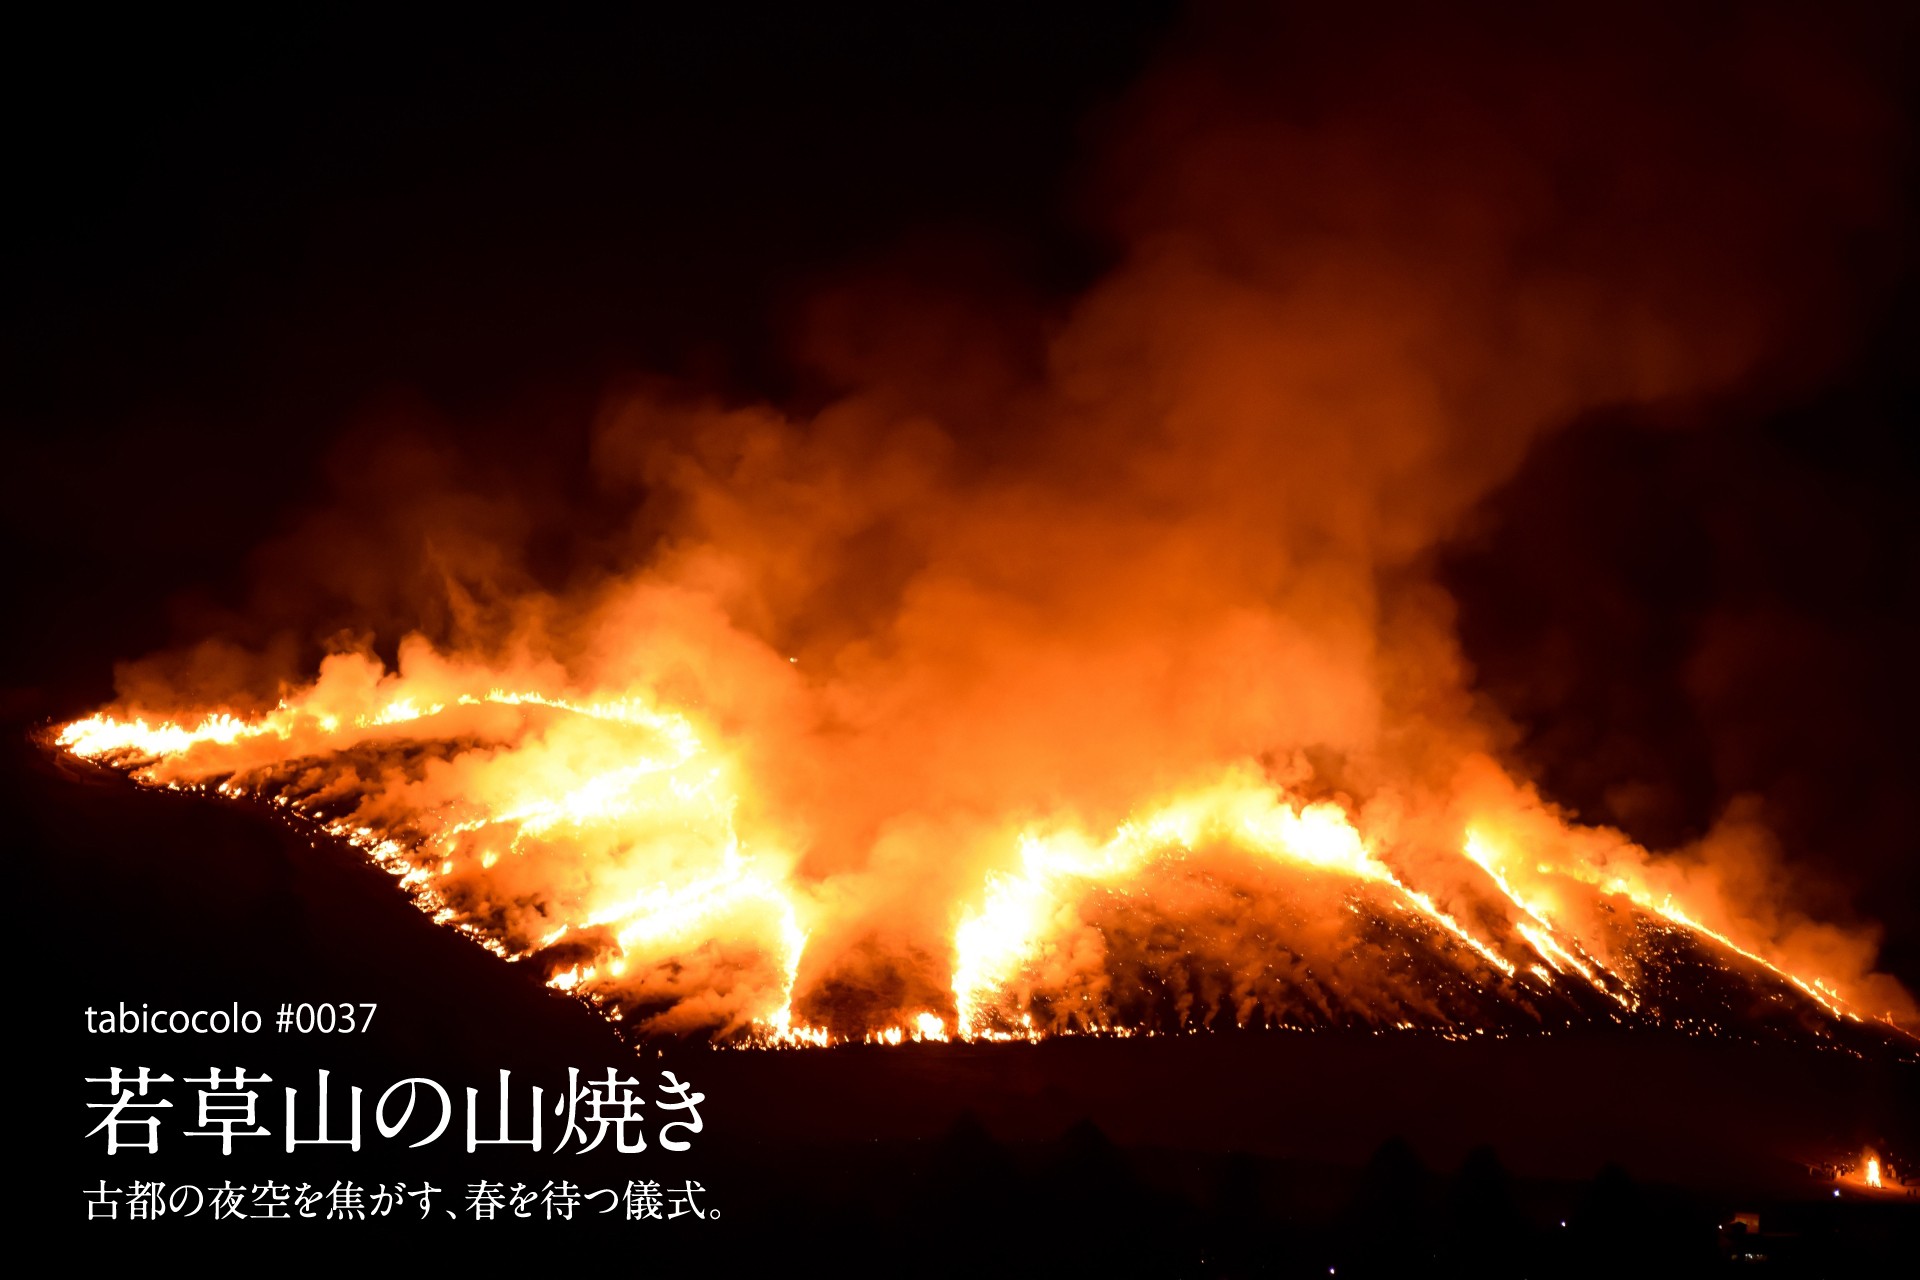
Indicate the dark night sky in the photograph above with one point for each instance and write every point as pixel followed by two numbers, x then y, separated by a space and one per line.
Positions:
pixel 235 242
pixel 232 245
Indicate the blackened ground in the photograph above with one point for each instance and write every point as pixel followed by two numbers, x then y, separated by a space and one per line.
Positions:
pixel 1229 1153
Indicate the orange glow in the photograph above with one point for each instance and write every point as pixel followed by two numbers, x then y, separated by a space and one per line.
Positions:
pixel 1077 667
pixel 599 835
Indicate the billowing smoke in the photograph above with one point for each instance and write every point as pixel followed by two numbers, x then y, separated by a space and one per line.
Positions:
pixel 1084 664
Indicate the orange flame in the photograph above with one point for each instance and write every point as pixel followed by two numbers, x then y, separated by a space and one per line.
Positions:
pixel 599 833
pixel 1089 674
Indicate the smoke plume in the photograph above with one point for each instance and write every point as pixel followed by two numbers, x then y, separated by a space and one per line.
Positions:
pixel 1082 662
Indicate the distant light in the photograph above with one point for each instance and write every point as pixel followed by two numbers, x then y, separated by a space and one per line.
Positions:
pixel 1836 1193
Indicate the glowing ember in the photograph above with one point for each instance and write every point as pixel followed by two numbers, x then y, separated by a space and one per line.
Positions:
pixel 602 837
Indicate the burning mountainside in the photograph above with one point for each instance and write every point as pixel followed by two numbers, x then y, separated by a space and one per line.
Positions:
pixel 603 840
pixel 1086 668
